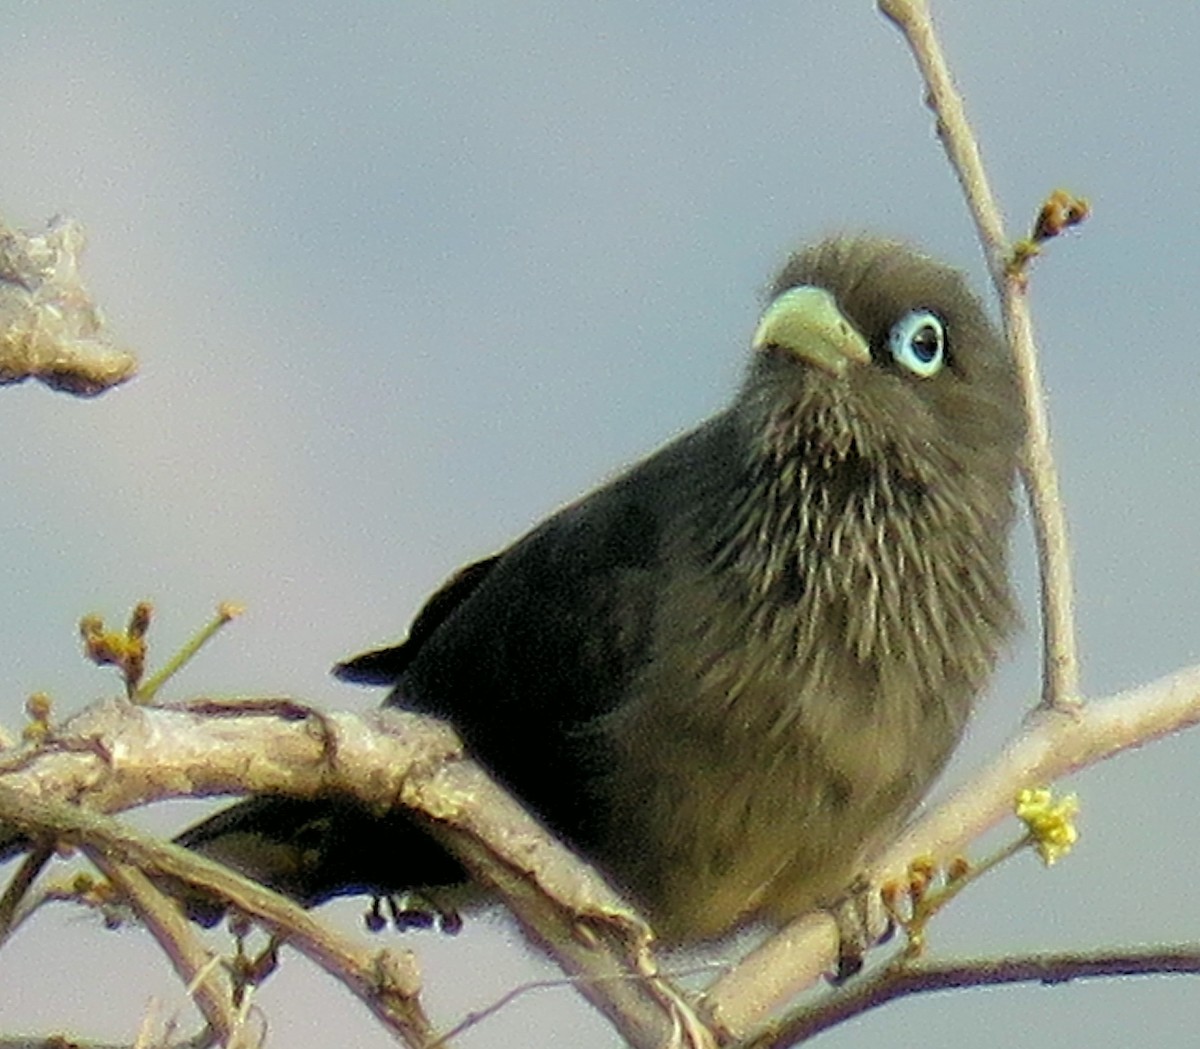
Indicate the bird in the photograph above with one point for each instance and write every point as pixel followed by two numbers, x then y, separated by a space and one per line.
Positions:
pixel 730 673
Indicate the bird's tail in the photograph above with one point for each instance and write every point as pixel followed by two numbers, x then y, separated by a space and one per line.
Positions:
pixel 312 850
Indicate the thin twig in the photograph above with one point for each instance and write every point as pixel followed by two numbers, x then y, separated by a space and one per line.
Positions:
pixel 1060 667
pixel 889 984
pixel 15 892
pixel 477 1016
pixel 209 983
pixel 385 980
pixel 1060 656
pixel 146 692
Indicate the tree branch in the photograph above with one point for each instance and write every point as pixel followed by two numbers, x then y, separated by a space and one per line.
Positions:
pixel 1060 664
pixel 116 755
pixel 198 967
pixel 50 329
pixel 386 981
pixel 889 984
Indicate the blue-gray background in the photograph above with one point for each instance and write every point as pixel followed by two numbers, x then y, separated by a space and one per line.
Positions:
pixel 404 277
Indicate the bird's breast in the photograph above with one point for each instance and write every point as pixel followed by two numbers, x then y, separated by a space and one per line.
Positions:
pixel 808 681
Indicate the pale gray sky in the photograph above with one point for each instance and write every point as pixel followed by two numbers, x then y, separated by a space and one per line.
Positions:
pixel 404 277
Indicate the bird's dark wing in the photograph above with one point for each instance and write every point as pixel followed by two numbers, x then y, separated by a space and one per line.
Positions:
pixel 557 633
pixel 554 624
pixel 553 630
pixel 384 666
pixel 524 653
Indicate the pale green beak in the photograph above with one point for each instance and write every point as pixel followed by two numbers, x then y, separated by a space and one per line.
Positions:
pixel 806 321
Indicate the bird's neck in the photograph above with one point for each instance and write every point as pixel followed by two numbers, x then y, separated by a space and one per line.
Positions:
pixel 836 526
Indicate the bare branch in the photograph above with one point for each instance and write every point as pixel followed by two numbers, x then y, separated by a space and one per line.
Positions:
pixel 117 755
pixel 1060 667
pixel 14 893
pixel 386 981
pixel 50 329
pixel 890 984
pixel 199 969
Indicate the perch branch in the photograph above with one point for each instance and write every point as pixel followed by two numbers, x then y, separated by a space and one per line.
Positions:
pixel 117 755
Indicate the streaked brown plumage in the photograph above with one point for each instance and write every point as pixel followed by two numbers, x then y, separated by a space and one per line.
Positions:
pixel 731 671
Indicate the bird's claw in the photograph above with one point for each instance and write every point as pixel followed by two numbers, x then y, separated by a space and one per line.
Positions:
pixel 863 921
pixel 411 910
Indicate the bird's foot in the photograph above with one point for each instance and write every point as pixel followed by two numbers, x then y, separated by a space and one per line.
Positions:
pixel 863 921
pixel 411 910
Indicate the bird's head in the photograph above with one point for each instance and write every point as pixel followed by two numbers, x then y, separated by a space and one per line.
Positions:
pixel 870 350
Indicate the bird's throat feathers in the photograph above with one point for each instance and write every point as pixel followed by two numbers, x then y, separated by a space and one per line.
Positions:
pixel 836 517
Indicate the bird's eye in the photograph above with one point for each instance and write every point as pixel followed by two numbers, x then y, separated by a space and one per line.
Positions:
pixel 918 341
